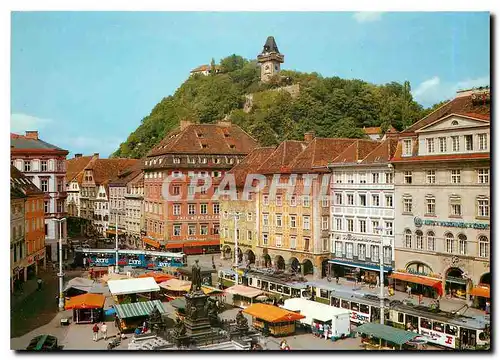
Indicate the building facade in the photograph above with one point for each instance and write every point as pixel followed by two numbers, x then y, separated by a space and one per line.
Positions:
pixel 270 60
pixel 193 154
pixel 74 178
pixel 45 166
pixel 134 207
pixel 17 244
pixel 442 177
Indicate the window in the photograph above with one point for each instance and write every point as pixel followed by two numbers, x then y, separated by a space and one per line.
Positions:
pixel 387 254
pixel 249 216
pixel 43 165
pixel 176 190
pixel 431 176
pixel 203 209
pixel 203 160
pixel 407 177
pixel 177 160
pixel 361 251
pixel 306 222
pixel 177 209
pixel 349 250
pixel 204 229
pixel 217 161
pixel 325 244
pixel 362 199
pixel 484 247
pixel 27 165
pixel 350 225
pixel 362 178
pixel 293 242
pixel 442 144
pixel 191 209
pixel 324 201
pixel 375 225
pixel 277 239
pixel 483 176
pixel 431 241
pixel 249 235
pixel 408 238
pixel 483 207
pixel 450 242
pixel 350 178
pixel 407 147
pixel 451 330
pixel 456 206
pixel 425 323
pixel 388 227
pixel 216 208
pixel 293 200
pixel 389 178
pixel 338 199
pixel 324 223
pixel 375 200
pixel 45 185
pixel 338 178
pixel 407 205
pixel 278 201
pixel 388 200
pixel 430 145
pixel 362 226
pixel 455 143
pixel 265 199
pixel 419 237
pixel 177 230
pixel 455 176
pixel 191 160
pixel 430 205
pixel 462 244
pixel 338 223
pixel 483 141
pixel 305 201
pixel 400 317
pixel 265 219
pixel 338 249
pixel 278 220
pixel 192 229
pixel 468 143
pixel 375 178
pixel 306 244
pixel 293 221
pixel 350 199
pixel 375 252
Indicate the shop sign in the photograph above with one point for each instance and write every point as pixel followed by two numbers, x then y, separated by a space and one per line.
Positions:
pixel 359 318
pixel 197 218
pixel 134 262
pixel 163 264
pixel 480 226
pixel 349 237
pixel 414 272
pixel 102 261
pixel 440 339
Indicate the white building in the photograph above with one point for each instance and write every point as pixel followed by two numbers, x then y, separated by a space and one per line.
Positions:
pixel 74 177
pixel 134 207
pixel 362 202
pixel 44 164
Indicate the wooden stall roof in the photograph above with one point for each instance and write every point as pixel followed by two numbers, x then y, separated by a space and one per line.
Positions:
pixel 272 314
pixel 86 301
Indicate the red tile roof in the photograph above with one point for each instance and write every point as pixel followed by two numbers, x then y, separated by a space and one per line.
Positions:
pixel 75 166
pixel 20 185
pixel 356 151
pixel 105 170
pixel 377 130
pixel 127 175
pixel 281 158
pixel 251 164
pixel 382 153
pixel 206 139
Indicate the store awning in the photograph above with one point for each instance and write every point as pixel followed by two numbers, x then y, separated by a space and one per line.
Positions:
pixel 151 242
pixel 427 281
pixel 243 290
pixel 86 301
pixel 176 285
pixel 388 333
pixel 144 308
pixel 271 313
pixel 482 291
pixel 359 265
pixel 86 285
pixel 180 245
pixel 132 286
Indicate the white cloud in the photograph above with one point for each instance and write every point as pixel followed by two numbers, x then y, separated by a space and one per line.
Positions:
pixel 433 90
pixel 19 123
pixel 367 16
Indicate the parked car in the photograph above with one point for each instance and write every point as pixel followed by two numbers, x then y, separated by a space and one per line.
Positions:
pixel 44 343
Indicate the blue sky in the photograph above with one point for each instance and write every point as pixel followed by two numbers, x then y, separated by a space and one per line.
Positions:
pixel 86 79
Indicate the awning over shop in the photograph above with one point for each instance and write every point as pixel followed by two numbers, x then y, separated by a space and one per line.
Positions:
pixel 176 285
pixel 86 285
pixel 113 232
pixel 151 242
pixel 359 265
pixel 180 245
pixel 86 301
pixel 132 286
pixel 113 276
pixel 272 314
pixel 244 291
pixel 144 308
pixel 427 281
pixel 387 333
pixel 482 291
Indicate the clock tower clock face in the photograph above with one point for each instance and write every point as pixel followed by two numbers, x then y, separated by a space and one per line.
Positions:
pixel 267 68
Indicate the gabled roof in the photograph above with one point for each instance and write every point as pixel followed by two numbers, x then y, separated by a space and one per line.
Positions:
pixel 281 158
pixel 223 139
pixel 75 167
pixel 22 143
pixel 383 153
pixel 357 151
pixel 104 170
pixel 251 164
pixel 128 174
pixel 20 185
pixel 377 130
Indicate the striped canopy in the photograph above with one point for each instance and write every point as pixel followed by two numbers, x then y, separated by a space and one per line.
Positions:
pixel 125 311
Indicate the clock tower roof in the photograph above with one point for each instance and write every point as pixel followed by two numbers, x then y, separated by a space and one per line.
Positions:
pixel 270 46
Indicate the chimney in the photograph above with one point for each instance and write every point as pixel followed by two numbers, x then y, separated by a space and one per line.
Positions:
pixel 32 135
pixel 309 136
pixel 78 156
pixel 185 123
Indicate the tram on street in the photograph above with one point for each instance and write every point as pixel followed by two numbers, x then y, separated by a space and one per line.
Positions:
pixel 153 260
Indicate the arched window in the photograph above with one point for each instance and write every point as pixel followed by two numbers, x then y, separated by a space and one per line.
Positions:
pixel 419 236
pixel 431 241
pixel 484 247
pixel 408 238
pixel 450 243
pixel 462 244
pixel 454 122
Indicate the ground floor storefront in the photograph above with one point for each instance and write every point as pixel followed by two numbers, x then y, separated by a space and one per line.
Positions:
pixel 200 247
pixel 27 269
pixel 359 272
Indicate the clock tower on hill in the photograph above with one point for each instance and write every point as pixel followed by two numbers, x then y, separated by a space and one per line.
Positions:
pixel 270 60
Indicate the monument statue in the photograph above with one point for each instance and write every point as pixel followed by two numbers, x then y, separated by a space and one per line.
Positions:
pixel 155 320
pixel 195 277
pixel 241 321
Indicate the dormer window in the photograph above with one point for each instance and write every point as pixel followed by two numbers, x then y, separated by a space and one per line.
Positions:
pixel 231 146
pixel 203 160
pixel 191 160
pixel 200 135
pixel 204 146
pixel 230 161
pixel 216 161
pixel 407 147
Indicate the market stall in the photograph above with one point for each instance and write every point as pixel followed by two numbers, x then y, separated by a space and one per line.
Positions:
pixel 243 296
pixel 113 276
pixel 130 290
pixel 79 286
pixel 272 319
pixel 174 288
pixel 87 308
pixel 383 337
pixel 481 294
pixel 158 276
pixel 131 316
pixel 425 285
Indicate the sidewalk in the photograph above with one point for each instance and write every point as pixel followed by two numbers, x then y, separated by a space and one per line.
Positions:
pixel 30 286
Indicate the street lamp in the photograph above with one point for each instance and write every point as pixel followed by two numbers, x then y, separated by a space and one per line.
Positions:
pixel 381 264
pixel 60 274
pixel 236 216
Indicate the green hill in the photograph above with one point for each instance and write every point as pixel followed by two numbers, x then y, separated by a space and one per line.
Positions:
pixel 331 106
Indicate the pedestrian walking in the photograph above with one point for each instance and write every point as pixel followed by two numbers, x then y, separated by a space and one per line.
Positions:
pixel 39 284
pixel 337 279
pixel 420 299
pixel 104 330
pixel 95 332
pixel 408 290
pixel 487 308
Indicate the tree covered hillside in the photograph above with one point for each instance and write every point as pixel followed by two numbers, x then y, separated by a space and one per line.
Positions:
pixel 331 106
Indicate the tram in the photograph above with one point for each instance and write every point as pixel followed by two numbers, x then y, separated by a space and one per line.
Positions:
pixel 154 260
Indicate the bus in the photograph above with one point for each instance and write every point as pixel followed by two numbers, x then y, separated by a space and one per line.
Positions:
pixel 153 260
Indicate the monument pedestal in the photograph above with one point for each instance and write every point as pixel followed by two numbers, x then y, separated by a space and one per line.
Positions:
pixel 196 321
